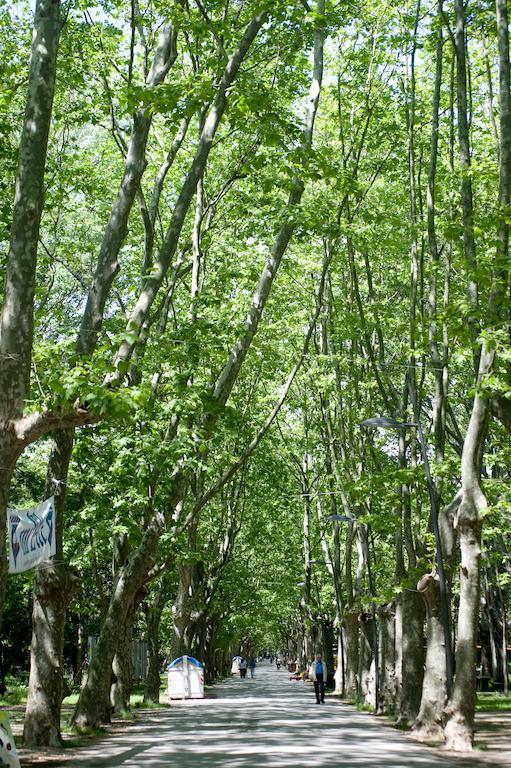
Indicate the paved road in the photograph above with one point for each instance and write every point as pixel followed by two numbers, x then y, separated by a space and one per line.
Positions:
pixel 268 722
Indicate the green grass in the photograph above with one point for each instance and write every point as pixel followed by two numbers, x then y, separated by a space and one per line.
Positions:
pixel 360 704
pixel 148 705
pixel 493 702
pixel 16 694
pixel 15 700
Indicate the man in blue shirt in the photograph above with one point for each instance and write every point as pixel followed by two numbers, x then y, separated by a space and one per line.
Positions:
pixel 318 674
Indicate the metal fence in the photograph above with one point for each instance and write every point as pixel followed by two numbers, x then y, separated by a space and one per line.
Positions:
pixel 138 656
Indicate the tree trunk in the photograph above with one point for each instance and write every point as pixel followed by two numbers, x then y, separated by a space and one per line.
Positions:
pixel 365 659
pixel 340 674
pixel 351 638
pixel 459 730
pixel 54 588
pixel 429 722
pixel 17 312
pixel 503 648
pixel 106 269
pixel 460 712
pixel 117 227
pixel 491 622
pixel 93 703
pixel 212 655
pixel 152 687
pixel 122 667
pixel 199 639
pixel 182 610
pixel 9 453
pixel 80 652
pixel 301 656
pixel 154 280
pixel 409 655
pixel 467 203
pixel 153 619
pixel 230 371
pixel 327 642
pixel 16 320
pixel 387 659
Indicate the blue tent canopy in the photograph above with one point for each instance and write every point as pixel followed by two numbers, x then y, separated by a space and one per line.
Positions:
pixel 180 659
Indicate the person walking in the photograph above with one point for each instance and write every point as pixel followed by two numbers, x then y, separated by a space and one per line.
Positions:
pixel 318 674
pixel 243 668
pixel 252 666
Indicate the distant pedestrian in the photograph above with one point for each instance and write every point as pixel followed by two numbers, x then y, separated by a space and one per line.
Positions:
pixel 318 674
pixel 252 666
pixel 278 662
pixel 243 668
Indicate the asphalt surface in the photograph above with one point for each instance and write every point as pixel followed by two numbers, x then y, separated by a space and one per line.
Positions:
pixel 268 722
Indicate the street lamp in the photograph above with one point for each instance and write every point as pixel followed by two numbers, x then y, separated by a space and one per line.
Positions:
pixel 386 422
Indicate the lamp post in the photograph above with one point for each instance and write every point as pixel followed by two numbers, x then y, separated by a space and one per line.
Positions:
pixel 385 422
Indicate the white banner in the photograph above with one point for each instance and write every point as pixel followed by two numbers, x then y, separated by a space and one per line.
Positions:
pixel 8 754
pixel 31 535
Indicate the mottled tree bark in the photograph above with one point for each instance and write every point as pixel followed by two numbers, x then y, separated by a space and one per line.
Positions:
pixel 54 588
pixel 466 194
pixel 365 659
pixel 17 312
pixel 122 665
pixel 88 711
pixel 42 719
pixel 51 596
pixel 350 625
pixel 460 712
pixel 153 618
pixel 92 705
pixel 409 625
pixel 387 648
pixel 182 624
pixel 429 722
pixel 9 454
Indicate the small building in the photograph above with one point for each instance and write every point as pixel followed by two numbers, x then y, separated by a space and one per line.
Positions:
pixel 185 678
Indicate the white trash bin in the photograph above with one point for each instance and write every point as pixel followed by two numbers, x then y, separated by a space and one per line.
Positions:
pixel 185 677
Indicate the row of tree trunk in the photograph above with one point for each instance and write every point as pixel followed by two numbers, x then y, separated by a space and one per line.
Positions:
pixel 135 565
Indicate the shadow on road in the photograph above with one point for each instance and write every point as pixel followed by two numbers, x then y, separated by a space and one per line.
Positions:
pixel 269 721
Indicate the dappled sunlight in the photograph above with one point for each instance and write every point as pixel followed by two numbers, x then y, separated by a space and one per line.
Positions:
pixel 269 721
